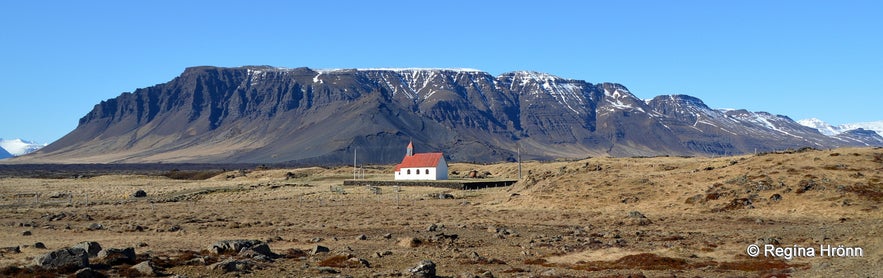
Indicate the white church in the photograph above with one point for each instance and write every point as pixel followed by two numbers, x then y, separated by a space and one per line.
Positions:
pixel 421 166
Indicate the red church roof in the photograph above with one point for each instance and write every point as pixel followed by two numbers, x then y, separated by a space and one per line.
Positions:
pixel 420 160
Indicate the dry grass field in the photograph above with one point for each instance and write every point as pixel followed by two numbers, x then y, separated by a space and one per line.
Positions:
pixel 598 217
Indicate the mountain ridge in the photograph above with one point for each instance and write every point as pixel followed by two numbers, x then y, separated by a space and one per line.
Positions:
pixel 268 114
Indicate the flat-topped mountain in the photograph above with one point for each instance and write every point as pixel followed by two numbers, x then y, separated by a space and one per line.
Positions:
pixel 262 114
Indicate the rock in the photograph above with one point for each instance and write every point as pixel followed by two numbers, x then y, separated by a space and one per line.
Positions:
pixel 445 196
pixel 387 235
pixel 432 228
pixel 13 249
pixel 316 240
pixel 139 194
pixel 319 249
pixel 382 254
pixel 95 227
pixel 776 197
pixel 92 248
pixel 40 245
pixel 261 252
pixel 116 256
pixel 424 268
pixel 638 218
pixel 65 258
pixel 361 237
pixel 232 246
pixel 146 268
pixel 88 273
pixel 26 233
pixel 409 242
pixel 232 265
pixel 327 270
pixel 359 261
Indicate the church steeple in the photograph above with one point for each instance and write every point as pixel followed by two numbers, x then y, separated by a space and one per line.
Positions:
pixel 410 150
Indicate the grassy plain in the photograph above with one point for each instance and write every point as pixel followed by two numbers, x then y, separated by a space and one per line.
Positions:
pixel 598 217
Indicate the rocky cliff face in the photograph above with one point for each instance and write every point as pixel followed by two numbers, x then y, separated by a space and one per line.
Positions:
pixel 261 114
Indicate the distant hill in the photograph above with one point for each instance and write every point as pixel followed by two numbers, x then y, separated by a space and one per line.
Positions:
pixel 262 114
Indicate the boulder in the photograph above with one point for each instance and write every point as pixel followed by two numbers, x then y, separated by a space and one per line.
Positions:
pixel 116 256
pixel 319 249
pixel 424 269
pixel 409 242
pixel 63 259
pixel 139 194
pixel 260 252
pixel 92 248
pixel 88 273
pixel 232 265
pixel 232 246
pixel 95 227
pixel 145 268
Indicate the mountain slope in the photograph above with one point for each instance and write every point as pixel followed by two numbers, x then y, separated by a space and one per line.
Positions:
pixel 4 154
pixel 264 114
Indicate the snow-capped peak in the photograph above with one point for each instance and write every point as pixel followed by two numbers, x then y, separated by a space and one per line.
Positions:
pixel 822 126
pixel 19 147
pixel 831 130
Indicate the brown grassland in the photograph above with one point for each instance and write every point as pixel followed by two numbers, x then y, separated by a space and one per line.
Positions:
pixel 598 217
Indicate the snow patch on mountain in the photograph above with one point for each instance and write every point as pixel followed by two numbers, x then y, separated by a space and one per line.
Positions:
pixel 831 130
pixel 18 147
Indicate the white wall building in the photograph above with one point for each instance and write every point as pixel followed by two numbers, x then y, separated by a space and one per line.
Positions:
pixel 422 166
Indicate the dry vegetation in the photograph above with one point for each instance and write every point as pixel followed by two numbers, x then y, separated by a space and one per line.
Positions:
pixel 599 217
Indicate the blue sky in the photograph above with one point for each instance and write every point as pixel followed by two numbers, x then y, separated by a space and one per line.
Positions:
pixel 803 59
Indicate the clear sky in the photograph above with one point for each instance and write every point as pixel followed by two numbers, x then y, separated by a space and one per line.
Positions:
pixel 803 59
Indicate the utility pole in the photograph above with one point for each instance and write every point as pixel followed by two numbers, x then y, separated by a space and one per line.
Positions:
pixel 519 159
pixel 355 169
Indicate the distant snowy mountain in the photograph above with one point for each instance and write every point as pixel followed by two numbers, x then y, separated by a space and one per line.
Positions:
pixel 830 130
pixel 18 147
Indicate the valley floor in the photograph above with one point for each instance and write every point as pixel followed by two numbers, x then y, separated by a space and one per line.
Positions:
pixel 599 217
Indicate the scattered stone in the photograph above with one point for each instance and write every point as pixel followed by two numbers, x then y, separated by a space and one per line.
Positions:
pixel 95 227
pixel 316 240
pixel 232 265
pixel 88 273
pixel 327 270
pixel 139 194
pixel 116 256
pixel 39 245
pixel 319 249
pixel 13 249
pixel 432 228
pixel 776 197
pixel 361 237
pixel 387 235
pixel 26 233
pixel 696 199
pixel 92 248
pixel 442 237
pixel 768 240
pixel 424 268
pixel 232 246
pixel 65 258
pixel 409 242
pixel 382 254
pixel 259 252
pixel 638 218
pixel 141 244
pixel 146 268
pixel 359 261
pixel 445 196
